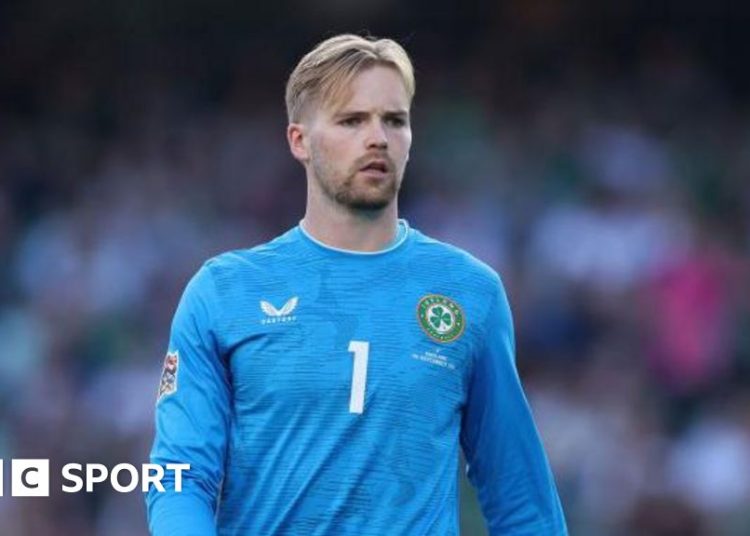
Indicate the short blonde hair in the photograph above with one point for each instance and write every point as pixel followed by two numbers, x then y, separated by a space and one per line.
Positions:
pixel 325 72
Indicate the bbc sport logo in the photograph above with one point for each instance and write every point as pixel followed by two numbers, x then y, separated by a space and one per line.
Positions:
pixel 31 477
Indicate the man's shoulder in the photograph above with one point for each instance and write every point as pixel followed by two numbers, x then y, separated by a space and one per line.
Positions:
pixel 259 257
pixel 236 274
pixel 451 257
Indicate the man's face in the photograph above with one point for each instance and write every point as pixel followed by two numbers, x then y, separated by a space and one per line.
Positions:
pixel 358 147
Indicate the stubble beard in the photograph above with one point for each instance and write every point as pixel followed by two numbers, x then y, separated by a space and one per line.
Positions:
pixel 352 194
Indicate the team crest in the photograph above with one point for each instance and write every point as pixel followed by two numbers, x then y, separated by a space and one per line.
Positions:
pixel 168 382
pixel 441 318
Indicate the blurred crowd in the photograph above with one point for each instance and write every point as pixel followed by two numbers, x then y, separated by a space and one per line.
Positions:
pixel 609 186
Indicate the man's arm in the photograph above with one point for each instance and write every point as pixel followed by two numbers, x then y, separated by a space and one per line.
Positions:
pixel 506 462
pixel 192 417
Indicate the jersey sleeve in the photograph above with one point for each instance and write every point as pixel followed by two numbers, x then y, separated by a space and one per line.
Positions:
pixel 506 462
pixel 192 417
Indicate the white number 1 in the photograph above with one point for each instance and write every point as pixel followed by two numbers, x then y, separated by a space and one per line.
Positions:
pixel 361 350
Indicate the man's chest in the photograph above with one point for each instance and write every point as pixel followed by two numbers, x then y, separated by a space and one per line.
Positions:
pixel 351 348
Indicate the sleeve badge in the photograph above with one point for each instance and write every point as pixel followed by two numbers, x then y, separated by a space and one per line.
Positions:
pixel 168 382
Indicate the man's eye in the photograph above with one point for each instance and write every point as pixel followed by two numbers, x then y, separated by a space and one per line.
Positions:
pixel 396 121
pixel 350 121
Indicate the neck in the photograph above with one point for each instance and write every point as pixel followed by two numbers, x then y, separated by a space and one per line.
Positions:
pixel 344 228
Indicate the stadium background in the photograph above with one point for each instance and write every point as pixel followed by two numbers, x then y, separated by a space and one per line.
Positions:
pixel 598 156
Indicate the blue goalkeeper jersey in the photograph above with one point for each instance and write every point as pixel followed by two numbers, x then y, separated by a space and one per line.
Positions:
pixel 318 391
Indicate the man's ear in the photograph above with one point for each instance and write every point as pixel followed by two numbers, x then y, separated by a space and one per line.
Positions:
pixel 296 135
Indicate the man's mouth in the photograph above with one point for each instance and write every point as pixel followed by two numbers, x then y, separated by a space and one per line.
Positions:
pixel 376 165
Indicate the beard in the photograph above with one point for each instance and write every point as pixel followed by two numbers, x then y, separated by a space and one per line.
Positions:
pixel 353 192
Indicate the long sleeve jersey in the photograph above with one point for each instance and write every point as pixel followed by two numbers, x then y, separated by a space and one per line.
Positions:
pixel 319 391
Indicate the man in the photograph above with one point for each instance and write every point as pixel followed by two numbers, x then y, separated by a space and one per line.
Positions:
pixel 323 381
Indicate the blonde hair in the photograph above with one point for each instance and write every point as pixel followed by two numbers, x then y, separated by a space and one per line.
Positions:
pixel 325 72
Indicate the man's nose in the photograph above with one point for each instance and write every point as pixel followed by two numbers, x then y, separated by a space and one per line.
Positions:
pixel 376 135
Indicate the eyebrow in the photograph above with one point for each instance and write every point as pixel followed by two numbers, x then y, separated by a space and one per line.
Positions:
pixel 358 113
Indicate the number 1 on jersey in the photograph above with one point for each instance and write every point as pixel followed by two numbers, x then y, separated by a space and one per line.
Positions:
pixel 361 350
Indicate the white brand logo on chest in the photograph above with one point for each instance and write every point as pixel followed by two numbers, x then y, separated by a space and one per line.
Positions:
pixel 276 316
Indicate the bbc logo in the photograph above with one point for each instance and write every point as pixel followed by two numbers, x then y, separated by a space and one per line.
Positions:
pixel 29 478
